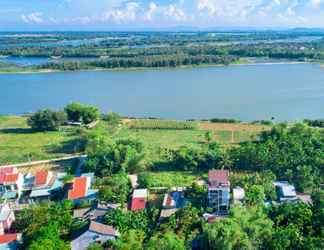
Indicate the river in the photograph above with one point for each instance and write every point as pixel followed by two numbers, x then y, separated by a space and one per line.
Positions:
pixel 251 92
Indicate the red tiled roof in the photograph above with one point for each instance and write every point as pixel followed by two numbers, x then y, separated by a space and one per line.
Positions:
pixel 11 178
pixel 79 189
pixel 41 178
pixel 7 170
pixel 102 228
pixel 2 178
pixel 7 238
pixel 138 204
pixel 8 178
pixel 220 176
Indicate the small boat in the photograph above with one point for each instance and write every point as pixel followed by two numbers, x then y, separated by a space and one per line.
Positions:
pixel 56 57
pixel 3 56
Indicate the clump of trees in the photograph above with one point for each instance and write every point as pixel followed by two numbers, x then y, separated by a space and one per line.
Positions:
pixel 107 156
pixel 245 228
pixel 49 120
pixel 115 189
pixel 291 153
pixel 77 112
pixel 46 120
pixel 46 225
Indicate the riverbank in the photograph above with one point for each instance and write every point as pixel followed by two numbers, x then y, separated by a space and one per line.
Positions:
pixel 22 70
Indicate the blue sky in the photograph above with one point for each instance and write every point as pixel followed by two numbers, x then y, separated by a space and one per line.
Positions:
pixel 119 14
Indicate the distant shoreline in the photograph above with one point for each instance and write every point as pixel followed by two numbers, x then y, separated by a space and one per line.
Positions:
pixel 42 71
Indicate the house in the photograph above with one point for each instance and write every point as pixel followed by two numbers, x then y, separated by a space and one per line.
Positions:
pixel 219 190
pixel 11 183
pixel 80 189
pixel 238 195
pixel 97 232
pixel 139 199
pixel 45 184
pixel 172 201
pixel 96 213
pixel 7 217
pixel 9 241
pixel 285 191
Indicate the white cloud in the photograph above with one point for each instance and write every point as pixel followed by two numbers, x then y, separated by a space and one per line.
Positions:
pixel 152 9
pixel 174 13
pixel 227 8
pixel 32 18
pixel 122 15
pixel 316 2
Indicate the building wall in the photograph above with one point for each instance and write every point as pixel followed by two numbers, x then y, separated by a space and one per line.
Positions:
pixel 218 198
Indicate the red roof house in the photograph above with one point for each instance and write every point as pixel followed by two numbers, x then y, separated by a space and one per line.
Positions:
pixel 79 188
pixel 138 204
pixel 139 199
pixel 11 183
pixel 218 177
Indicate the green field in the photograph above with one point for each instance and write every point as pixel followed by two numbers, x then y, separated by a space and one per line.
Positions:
pixel 175 178
pixel 18 143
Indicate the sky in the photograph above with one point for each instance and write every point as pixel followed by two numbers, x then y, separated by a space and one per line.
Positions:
pixel 136 14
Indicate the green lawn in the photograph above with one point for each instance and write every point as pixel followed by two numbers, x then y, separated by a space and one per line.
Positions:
pixel 175 178
pixel 18 143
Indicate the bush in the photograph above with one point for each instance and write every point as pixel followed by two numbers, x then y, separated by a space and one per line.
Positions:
pixel 112 118
pixel 161 124
pixel 224 120
pixel 46 120
pixel 77 112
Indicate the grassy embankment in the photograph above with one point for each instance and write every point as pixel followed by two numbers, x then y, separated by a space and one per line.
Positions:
pixel 18 143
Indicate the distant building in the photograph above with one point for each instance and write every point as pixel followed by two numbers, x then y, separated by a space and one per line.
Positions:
pixel 97 232
pixel 9 241
pixel 238 195
pixel 80 189
pixel 11 183
pixel 7 217
pixel 171 203
pixel 45 184
pixel 285 191
pixel 139 199
pixel 219 190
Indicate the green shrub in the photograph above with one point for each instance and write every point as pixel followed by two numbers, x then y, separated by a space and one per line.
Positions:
pixel 46 120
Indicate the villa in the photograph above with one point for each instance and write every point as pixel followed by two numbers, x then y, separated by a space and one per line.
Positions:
pixel 45 184
pixel 80 189
pixel 11 183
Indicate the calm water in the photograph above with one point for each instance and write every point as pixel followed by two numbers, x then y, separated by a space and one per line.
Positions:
pixel 287 92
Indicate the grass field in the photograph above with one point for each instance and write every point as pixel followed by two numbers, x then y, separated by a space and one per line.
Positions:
pixel 18 143
pixel 175 178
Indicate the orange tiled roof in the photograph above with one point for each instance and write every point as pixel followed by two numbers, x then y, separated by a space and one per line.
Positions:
pixel 41 178
pixel 79 189
pixel 11 178
pixel 7 238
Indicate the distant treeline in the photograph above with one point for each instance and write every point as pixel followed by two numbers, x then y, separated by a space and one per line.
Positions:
pixel 141 62
pixel 315 123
